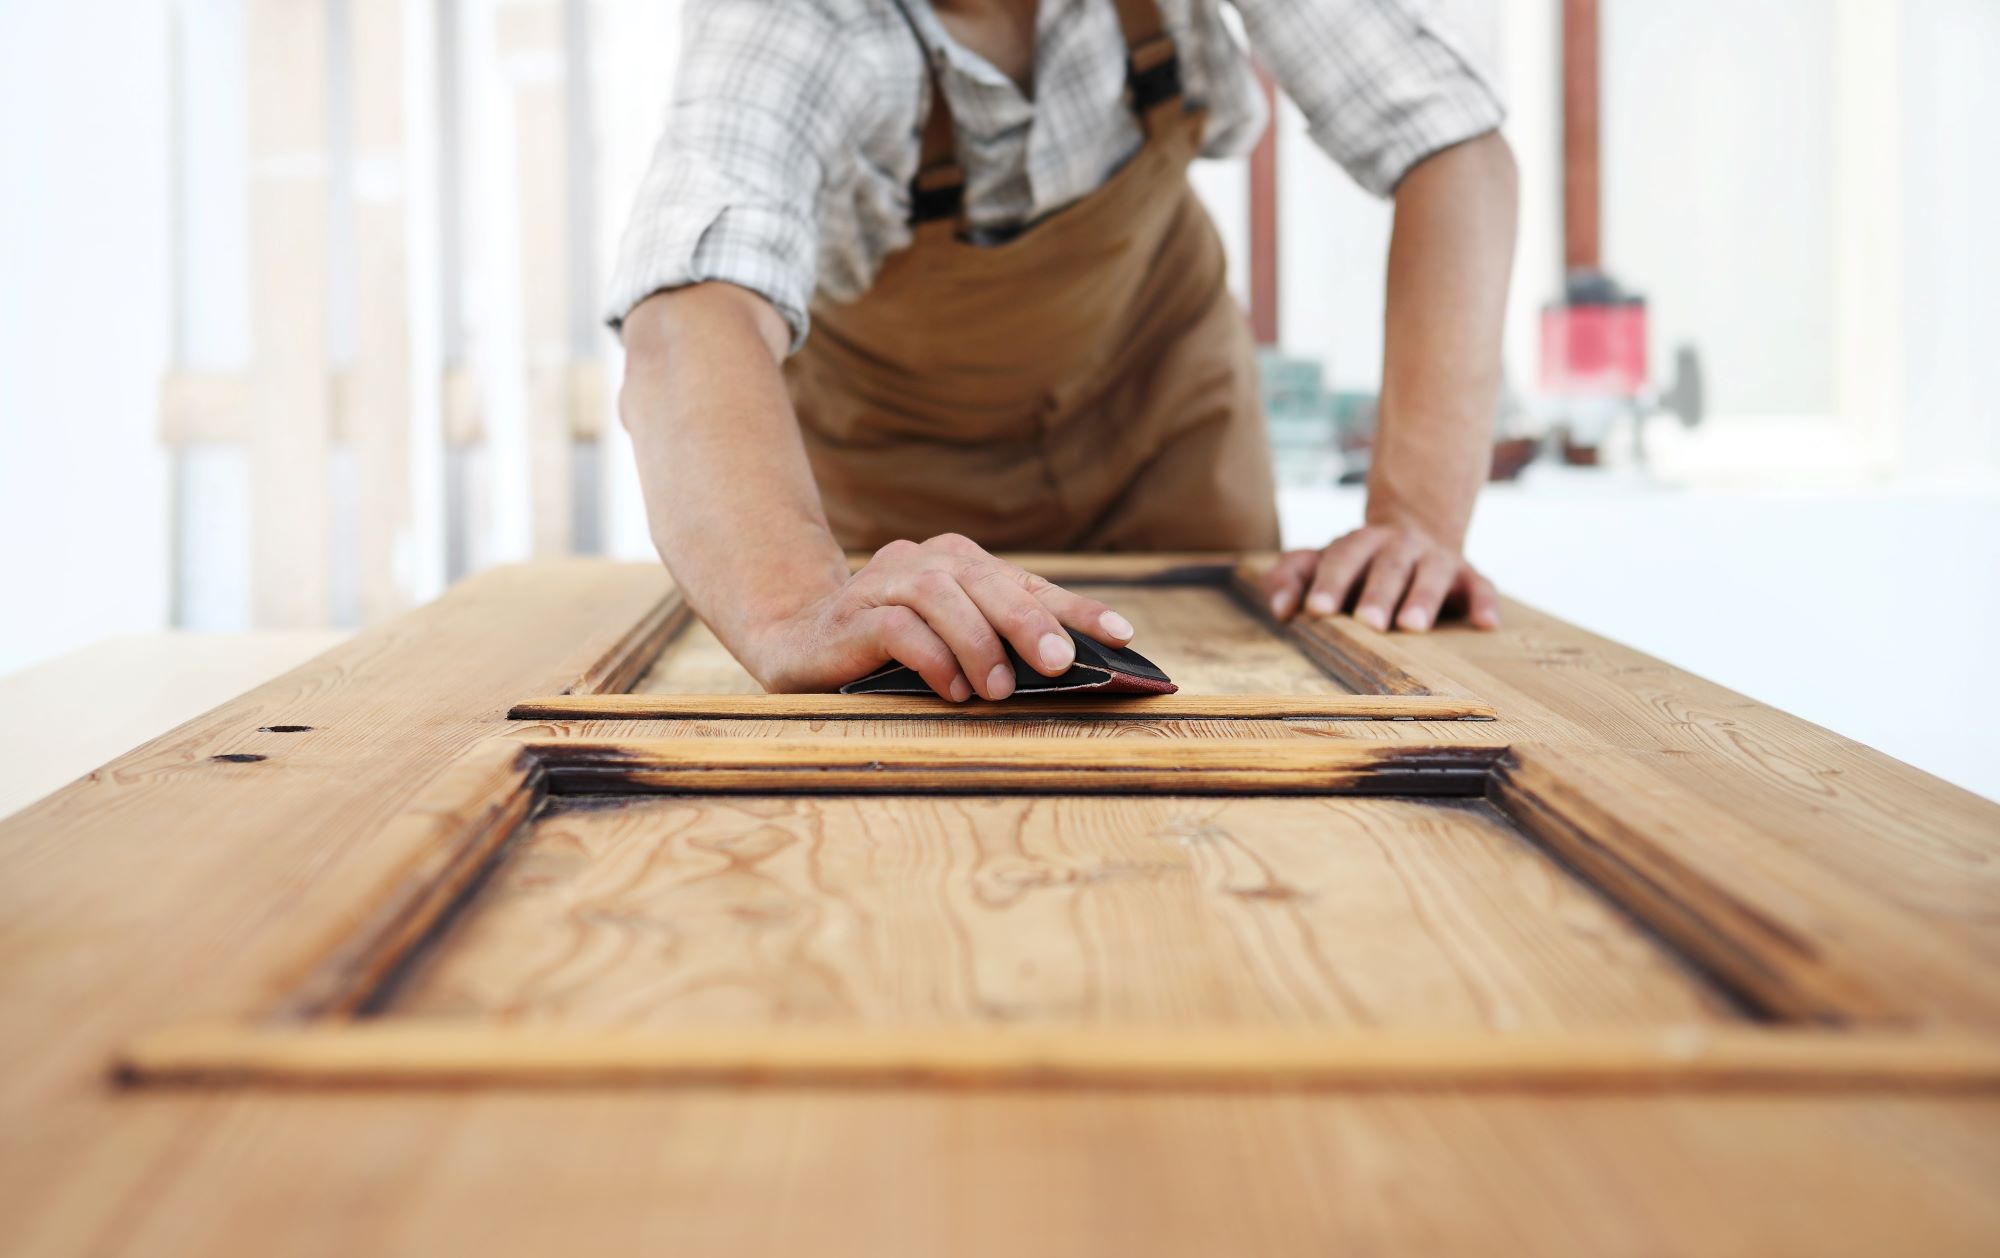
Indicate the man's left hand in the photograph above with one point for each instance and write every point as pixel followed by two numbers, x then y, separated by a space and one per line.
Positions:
pixel 1389 574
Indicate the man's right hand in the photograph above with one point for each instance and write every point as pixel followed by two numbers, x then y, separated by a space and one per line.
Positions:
pixel 941 607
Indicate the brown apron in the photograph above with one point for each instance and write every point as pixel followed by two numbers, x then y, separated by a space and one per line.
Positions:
pixel 1086 385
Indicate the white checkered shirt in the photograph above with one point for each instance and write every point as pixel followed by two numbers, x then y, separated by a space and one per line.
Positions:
pixel 793 135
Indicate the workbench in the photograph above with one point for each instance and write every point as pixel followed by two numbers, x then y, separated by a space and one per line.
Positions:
pixel 523 924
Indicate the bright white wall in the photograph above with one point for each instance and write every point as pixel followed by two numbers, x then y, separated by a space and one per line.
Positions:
pixel 1718 179
pixel 83 297
pixel 1951 240
pixel 1806 600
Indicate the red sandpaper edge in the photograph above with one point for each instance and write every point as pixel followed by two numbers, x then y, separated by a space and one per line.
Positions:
pixel 1128 684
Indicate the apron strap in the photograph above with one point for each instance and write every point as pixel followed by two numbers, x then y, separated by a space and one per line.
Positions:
pixel 937 190
pixel 1152 64
pixel 1152 81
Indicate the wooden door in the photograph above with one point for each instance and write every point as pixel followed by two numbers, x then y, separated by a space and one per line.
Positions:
pixel 1641 952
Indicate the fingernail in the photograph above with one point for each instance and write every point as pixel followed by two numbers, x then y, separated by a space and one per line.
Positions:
pixel 1415 621
pixel 1280 602
pixel 1115 625
pixel 1374 617
pixel 1058 652
pixel 1321 602
pixel 961 690
pixel 1000 682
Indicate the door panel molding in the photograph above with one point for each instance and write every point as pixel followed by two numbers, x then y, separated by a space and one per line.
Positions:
pixel 1813 1012
pixel 1388 682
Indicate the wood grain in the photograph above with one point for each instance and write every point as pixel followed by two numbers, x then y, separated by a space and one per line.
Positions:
pixel 413 1053
pixel 1072 708
pixel 1717 923
pixel 1886 874
pixel 1367 662
pixel 1050 912
pixel 638 650
pixel 162 888
pixel 1210 645
pixel 1199 634
pixel 183 880
pixel 765 1173
pixel 453 833
pixel 1095 766
pixel 693 661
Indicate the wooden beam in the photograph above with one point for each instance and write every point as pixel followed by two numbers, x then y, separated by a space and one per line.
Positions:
pixel 1110 765
pixel 628 659
pixel 1366 660
pixel 1581 244
pixel 290 401
pixel 1264 223
pixel 430 1054
pixel 482 798
pixel 530 34
pixel 380 406
pixel 210 407
pixel 204 407
pixel 595 706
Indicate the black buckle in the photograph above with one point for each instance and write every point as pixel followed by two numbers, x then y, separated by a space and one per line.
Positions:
pixel 927 204
pixel 1155 84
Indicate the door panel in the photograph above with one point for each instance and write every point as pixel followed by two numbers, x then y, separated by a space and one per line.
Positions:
pixel 1076 912
pixel 1494 907
pixel 1200 634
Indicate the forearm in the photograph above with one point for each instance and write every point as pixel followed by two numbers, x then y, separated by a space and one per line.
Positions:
pixel 1449 258
pixel 730 497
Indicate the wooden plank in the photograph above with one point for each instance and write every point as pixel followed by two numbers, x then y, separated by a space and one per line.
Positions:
pixel 290 495
pixel 848 1172
pixel 188 870
pixel 635 652
pixel 694 662
pixel 451 835
pixel 1201 633
pixel 1010 913
pixel 1884 873
pixel 1141 568
pixel 418 1054
pixel 838 707
pixel 381 381
pixel 871 1172
pixel 161 887
pixel 1022 764
pixel 1072 726
pixel 204 407
pixel 1211 645
pixel 133 686
pixel 1605 819
pixel 530 35
pixel 1368 662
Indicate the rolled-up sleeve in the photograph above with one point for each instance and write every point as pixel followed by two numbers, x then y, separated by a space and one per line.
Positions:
pixel 1381 83
pixel 732 189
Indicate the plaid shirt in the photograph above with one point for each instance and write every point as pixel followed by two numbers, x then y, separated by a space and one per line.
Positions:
pixel 793 135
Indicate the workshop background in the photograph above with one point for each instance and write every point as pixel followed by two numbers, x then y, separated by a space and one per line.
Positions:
pixel 300 322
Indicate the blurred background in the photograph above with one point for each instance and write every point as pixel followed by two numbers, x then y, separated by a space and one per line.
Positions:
pixel 300 322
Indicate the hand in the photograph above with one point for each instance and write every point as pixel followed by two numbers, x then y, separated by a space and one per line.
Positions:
pixel 1404 568
pixel 941 607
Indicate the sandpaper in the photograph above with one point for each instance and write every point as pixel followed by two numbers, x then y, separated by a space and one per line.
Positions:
pixel 1099 669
